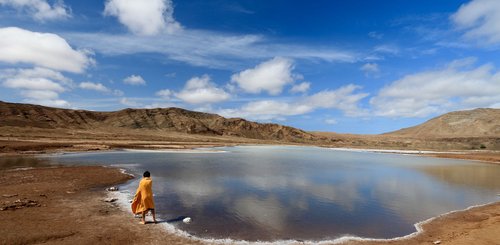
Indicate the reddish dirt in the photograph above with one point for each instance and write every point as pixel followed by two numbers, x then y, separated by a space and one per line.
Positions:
pixel 64 205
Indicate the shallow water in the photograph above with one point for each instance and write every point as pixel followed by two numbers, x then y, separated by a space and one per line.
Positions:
pixel 273 193
pixel 13 162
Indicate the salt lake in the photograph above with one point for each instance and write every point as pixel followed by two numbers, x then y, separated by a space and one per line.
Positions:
pixel 273 193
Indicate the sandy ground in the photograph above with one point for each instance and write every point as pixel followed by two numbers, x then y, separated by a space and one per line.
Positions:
pixel 65 205
pixel 489 157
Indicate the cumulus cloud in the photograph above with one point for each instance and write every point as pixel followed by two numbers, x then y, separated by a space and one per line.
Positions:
pixel 370 69
pixel 40 10
pixel 344 98
pixel 144 17
pixel 269 76
pixel 35 83
pixel 480 20
pixel 164 93
pixel 129 102
pixel 301 87
pixel 59 103
pixel 266 110
pixel 35 79
pixel 134 80
pixel 200 90
pixel 40 49
pixel 457 86
pixel 38 85
pixel 94 86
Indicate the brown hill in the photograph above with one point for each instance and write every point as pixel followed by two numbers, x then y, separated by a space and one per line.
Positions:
pixel 471 123
pixel 161 119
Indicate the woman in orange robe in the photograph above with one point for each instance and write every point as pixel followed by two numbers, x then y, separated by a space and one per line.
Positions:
pixel 143 199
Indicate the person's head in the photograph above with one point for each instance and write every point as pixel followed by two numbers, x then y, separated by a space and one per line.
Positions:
pixel 146 174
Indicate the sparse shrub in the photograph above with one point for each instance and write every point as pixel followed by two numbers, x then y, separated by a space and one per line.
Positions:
pixel 482 146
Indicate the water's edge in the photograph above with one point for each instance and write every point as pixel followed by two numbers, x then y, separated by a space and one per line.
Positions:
pixel 124 205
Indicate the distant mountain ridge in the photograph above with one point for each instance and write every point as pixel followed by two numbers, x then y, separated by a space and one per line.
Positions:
pixel 482 122
pixel 168 119
pixel 460 124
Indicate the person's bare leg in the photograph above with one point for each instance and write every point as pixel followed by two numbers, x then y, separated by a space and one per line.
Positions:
pixel 143 221
pixel 154 215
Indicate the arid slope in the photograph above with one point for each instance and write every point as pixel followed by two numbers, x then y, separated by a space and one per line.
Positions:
pixel 472 123
pixel 25 128
pixel 159 119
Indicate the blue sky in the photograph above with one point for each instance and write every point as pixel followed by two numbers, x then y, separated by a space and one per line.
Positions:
pixel 344 66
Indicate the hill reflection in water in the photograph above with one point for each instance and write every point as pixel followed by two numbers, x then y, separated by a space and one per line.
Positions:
pixel 308 193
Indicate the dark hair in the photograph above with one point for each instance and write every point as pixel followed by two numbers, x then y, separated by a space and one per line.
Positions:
pixel 146 174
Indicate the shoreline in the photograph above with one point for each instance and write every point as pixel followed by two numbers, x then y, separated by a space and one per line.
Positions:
pixel 68 205
pixel 347 239
pixel 491 157
pixel 420 227
pixel 420 236
pixel 475 155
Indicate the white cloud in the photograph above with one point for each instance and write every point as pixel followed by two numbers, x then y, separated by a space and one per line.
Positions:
pixel 93 86
pixel 164 93
pixel 270 76
pixel 343 98
pixel 480 19
pixel 301 88
pixel 207 48
pixel 331 121
pixel 50 102
pixel 129 102
pixel 149 17
pixel 134 80
pixel 455 87
pixel 40 94
pixel 35 79
pixel 370 69
pixel 375 35
pixel 387 49
pixel 266 110
pixel 37 85
pixel 39 9
pixel 40 49
pixel 118 92
pixel 200 90
pixel 160 105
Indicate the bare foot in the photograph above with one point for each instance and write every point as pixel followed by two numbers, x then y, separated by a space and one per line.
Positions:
pixel 155 221
pixel 142 222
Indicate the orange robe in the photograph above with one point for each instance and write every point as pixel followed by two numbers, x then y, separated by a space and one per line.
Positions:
pixel 143 199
